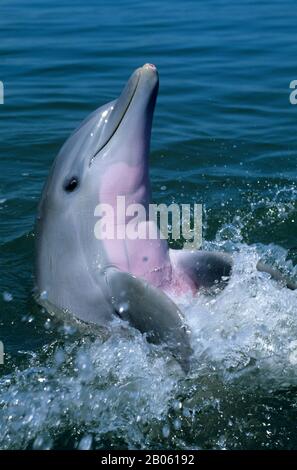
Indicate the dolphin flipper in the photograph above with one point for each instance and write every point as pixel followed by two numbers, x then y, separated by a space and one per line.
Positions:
pixel 150 311
pixel 203 268
pixel 206 269
pixel 276 275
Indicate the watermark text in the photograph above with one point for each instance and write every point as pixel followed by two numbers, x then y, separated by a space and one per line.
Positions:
pixel 1 93
pixel 293 94
pixel 137 222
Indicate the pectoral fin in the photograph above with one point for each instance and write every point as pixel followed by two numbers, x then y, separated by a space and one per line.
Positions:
pixel 150 311
pixel 203 268
pixel 276 275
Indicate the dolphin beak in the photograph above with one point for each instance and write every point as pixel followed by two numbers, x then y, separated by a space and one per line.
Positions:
pixel 142 87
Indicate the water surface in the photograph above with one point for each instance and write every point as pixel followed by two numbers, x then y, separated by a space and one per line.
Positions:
pixel 224 135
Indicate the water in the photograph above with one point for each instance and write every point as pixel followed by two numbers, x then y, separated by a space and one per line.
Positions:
pixel 225 135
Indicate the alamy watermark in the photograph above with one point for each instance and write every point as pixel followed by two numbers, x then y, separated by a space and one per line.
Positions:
pixel 134 221
pixel 1 353
pixel 293 94
pixel 1 93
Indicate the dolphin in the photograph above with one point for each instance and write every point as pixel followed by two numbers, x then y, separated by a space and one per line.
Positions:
pixel 95 280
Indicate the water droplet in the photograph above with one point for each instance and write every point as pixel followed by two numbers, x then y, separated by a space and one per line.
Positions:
pixel 47 324
pixel 7 297
pixel 166 431
pixel 123 307
pixel 43 295
pixel 177 424
pixel 177 405
pixel 85 443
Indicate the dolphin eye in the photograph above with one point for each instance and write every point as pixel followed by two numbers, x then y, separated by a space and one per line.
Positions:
pixel 71 184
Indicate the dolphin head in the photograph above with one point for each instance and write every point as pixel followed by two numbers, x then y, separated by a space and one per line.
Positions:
pixel 105 157
pixel 113 139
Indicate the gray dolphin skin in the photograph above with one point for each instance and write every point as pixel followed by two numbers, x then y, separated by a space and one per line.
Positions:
pixel 93 279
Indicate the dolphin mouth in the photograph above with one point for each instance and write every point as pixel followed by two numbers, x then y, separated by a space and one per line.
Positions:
pixel 115 115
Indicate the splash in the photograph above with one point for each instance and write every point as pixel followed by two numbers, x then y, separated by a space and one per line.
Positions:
pixel 121 392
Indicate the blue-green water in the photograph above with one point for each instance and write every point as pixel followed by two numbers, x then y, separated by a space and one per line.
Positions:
pixel 225 135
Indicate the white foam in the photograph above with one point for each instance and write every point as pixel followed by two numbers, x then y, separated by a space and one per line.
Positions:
pixel 251 324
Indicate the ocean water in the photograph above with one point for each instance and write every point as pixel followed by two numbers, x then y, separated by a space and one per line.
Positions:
pixel 224 135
